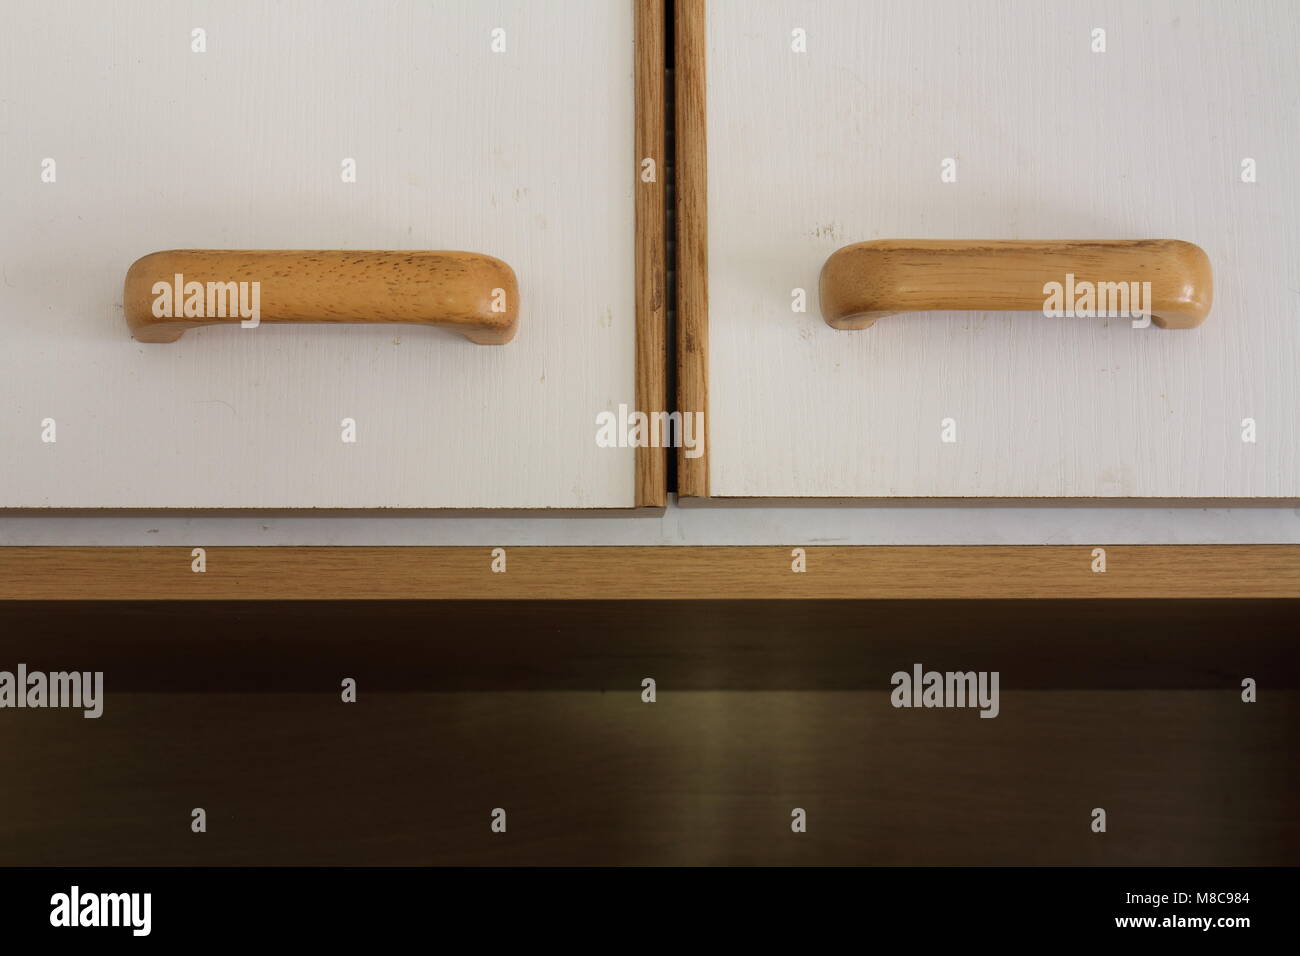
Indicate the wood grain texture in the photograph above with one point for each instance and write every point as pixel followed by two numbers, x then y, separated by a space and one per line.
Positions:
pixel 692 238
pixel 651 247
pixel 869 280
pixel 651 573
pixel 808 152
pixel 598 777
pixel 455 290
pixel 525 155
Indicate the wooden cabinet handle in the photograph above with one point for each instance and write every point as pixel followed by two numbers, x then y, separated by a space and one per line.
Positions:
pixel 862 282
pixel 168 292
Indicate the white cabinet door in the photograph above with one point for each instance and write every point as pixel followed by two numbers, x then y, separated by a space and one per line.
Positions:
pixel 503 128
pixel 831 122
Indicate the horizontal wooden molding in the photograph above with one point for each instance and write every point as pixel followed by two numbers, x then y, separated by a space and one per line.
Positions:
pixel 667 573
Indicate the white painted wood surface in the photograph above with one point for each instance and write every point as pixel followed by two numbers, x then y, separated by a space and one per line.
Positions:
pixel 526 155
pixel 843 143
pixel 708 523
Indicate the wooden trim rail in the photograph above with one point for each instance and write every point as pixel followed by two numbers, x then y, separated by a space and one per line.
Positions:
pixel 648 573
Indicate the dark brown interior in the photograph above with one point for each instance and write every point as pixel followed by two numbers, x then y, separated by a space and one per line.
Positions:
pixel 762 707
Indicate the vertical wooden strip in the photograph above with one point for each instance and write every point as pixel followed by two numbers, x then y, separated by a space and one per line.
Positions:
pixel 692 240
pixel 651 290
